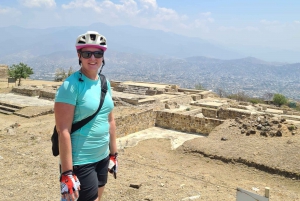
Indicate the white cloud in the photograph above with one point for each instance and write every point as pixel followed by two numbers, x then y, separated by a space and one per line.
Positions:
pixel 206 14
pixel 105 7
pixel 297 22
pixel 267 22
pixel 4 10
pixel 228 28
pixel 9 11
pixel 148 4
pixel 166 14
pixel 142 13
pixel 251 28
pixel 38 3
pixel 9 16
pixel 80 4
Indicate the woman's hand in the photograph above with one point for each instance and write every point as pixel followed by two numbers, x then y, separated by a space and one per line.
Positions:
pixel 69 185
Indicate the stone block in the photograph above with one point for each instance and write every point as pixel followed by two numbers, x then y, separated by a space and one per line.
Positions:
pixel 151 92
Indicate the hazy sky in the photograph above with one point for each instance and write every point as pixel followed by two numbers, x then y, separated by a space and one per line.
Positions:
pixel 271 24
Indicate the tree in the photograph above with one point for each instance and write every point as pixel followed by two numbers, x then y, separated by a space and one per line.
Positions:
pixel 199 87
pixel 255 100
pixel 61 74
pixel 279 99
pixel 221 92
pixel 240 96
pixel 70 71
pixel 268 96
pixel 19 71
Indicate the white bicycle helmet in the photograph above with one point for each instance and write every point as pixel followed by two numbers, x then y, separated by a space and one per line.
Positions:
pixel 91 39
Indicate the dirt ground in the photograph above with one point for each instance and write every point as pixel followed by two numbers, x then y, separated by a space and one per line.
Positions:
pixel 201 169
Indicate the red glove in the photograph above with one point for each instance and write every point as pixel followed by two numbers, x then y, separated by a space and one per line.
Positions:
pixel 113 164
pixel 69 183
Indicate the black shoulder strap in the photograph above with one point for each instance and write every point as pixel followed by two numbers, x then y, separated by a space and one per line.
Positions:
pixel 81 123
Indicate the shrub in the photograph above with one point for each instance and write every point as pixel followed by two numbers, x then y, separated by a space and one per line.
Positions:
pixel 279 99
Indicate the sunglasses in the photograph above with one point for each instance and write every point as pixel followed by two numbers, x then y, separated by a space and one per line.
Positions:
pixel 88 54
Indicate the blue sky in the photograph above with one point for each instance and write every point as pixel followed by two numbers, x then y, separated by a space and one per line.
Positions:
pixel 268 24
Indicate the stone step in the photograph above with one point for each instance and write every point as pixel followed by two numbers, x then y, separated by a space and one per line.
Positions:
pixel 11 105
pixel 9 109
pixel 5 112
pixel 135 92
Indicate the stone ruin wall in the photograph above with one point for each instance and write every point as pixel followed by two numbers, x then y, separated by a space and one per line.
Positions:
pixel 180 100
pixel 26 90
pixel 186 123
pixel 135 122
pixel 210 113
pixel 47 93
pixel 232 114
pixel 147 119
pixel 3 71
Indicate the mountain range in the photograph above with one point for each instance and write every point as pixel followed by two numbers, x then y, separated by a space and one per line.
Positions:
pixel 36 42
pixel 148 55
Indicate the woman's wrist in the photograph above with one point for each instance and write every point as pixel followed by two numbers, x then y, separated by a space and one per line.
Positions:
pixel 68 172
pixel 113 154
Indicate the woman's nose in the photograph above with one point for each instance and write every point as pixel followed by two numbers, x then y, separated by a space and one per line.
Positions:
pixel 93 56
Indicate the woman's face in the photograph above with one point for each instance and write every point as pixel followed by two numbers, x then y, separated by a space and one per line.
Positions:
pixel 93 63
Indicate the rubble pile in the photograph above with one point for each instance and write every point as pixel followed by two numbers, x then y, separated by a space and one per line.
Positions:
pixel 265 125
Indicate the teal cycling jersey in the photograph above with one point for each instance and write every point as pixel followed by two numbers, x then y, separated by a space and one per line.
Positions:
pixel 91 142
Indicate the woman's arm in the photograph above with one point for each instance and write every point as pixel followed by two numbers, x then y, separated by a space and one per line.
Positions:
pixel 64 114
pixel 112 131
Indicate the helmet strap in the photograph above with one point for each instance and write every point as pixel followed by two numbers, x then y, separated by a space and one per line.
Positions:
pixel 103 63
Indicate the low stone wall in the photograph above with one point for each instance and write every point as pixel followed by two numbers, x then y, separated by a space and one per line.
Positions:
pixel 181 100
pixel 230 113
pixel 207 94
pixel 193 112
pixel 195 91
pixel 196 97
pixel 296 113
pixel 130 100
pixel 186 123
pixel 44 92
pixel 239 107
pixel 210 113
pixel 135 122
pixel 119 88
pixel 47 94
pixel 151 92
pixel 26 90
pixel 244 103
pixel 114 83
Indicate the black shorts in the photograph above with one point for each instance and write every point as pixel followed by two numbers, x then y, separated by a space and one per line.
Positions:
pixel 91 176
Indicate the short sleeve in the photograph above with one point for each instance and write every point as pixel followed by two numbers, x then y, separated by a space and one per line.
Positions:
pixel 67 93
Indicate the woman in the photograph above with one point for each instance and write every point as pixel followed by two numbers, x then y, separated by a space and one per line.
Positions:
pixel 89 151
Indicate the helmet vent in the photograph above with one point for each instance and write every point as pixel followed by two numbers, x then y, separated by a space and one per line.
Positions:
pixel 93 37
pixel 81 42
pixel 83 37
pixel 103 43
